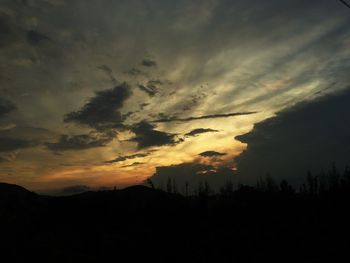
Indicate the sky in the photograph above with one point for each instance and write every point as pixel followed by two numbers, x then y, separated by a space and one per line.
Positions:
pixel 104 93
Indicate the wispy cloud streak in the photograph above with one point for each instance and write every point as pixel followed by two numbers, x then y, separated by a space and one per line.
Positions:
pixel 215 116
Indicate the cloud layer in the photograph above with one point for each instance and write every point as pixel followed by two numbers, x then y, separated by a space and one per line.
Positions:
pixel 81 141
pixel 309 136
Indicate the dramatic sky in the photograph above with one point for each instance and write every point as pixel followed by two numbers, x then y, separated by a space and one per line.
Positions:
pixel 108 92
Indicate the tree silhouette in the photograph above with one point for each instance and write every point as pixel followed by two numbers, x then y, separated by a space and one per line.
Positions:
pixel 322 182
pixel 186 188
pixel 261 184
pixel 312 182
pixel 150 183
pixel 227 189
pixel 169 187
pixel 200 189
pixel 346 177
pixel 175 191
pixel 333 178
pixel 207 189
pixel 286 188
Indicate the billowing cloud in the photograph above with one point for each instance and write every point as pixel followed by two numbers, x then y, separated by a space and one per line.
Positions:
pixel 211 154
pixel 308 136
pixel 81 142
pixel 147 136
pixel 214 116
pixel 103 110
pixel 199 131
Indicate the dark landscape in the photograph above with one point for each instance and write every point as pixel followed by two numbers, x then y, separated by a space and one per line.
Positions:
pixel 269 222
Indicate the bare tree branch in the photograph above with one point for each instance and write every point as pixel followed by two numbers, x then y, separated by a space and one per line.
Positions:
pixel 345 3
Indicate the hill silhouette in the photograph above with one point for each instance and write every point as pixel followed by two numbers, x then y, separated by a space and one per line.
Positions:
pixel 13 190
pixel 16 198
pixel 139 223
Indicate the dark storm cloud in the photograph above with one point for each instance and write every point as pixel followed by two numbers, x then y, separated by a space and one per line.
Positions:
pixel 8 144
pixel 103 110
pixel 308 136
pixel 148 63
pixel 35 38
pixel 128 157
pixel 172 119
pixel 193 174
pixel 6 107
pixel 147 136
pixel 81 142
pixel 199 131
pixel 211 154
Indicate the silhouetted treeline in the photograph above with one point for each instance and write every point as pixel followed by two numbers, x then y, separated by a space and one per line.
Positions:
pixel 332 181
pixel 271 221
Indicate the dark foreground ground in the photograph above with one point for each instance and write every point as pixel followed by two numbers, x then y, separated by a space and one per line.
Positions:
pixel 146 225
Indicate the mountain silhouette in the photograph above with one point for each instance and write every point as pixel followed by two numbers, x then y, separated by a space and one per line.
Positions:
pixel 16 196
pixel 13 190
